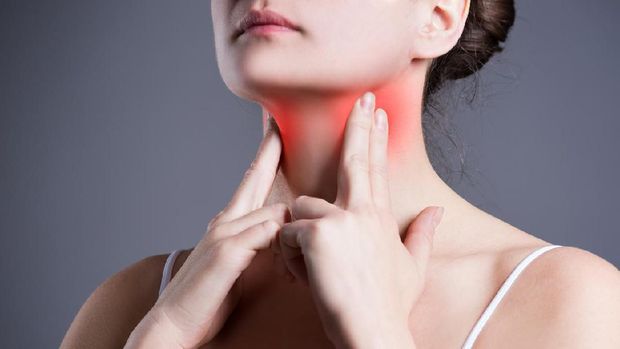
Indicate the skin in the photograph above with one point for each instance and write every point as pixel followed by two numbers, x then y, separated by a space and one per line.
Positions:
pixel 384 47
pixel 352 244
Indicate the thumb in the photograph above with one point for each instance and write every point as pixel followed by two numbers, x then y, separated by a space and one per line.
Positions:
pixel 419 236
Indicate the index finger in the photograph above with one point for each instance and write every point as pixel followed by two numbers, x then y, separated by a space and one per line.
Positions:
pixel 258 178
pixel 353 179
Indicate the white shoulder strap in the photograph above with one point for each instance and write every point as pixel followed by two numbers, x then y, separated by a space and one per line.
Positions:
pixel 165 278
pixel 502 291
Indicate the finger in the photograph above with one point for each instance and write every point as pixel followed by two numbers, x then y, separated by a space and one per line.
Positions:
pixel 258 236
pixel 420 233
pixel 278 212
pixel 291 241
pixel 258 179
pixel 307 207
pixel 353 181
pixel 379 160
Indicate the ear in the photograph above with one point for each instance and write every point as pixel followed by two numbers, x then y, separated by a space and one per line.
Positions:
pixel 439 26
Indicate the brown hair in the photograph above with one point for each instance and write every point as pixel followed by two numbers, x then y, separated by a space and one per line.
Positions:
pixel 486 28
pixel 487 25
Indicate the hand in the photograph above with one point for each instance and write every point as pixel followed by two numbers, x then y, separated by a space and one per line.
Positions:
pixel 363 278
pixel 195 305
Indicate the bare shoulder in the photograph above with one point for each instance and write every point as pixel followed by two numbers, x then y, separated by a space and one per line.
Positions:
pixel 584 298
pixel 567 297
pixel 116 306
pixel 574 269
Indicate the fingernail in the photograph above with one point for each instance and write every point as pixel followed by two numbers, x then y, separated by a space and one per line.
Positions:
pixel 367 100
pixel 437 215
pixel 381 119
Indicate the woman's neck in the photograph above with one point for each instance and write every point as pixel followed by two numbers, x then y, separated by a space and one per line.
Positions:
pixel 312 131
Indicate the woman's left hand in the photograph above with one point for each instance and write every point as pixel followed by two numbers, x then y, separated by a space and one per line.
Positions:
pixel 364 280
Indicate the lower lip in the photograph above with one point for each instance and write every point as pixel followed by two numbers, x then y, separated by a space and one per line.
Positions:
pixel 267 29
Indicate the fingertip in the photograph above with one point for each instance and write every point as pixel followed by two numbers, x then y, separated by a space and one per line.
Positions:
pixel 437 215
pixel 381 119
pixel 271 225
pixel 367 101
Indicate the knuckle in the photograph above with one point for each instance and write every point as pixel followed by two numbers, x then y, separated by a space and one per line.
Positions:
pixel 223 249
pixel 219 218
pixel 361 123
pixel 316 226
pixel 317 233
pixel 379 170
pixel 227 245
pixel 212 223
pixel 356 161
pixel 379 135
pixel 215 231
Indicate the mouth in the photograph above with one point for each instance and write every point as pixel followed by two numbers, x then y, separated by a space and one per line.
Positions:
pixel 264 21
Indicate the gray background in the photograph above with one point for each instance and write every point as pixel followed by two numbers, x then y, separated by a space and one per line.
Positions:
pixel 118 140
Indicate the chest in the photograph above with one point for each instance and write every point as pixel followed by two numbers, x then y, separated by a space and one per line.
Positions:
pixel 284 316
pixel 272 313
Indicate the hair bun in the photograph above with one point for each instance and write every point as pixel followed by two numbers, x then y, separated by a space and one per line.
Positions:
pixel 486 27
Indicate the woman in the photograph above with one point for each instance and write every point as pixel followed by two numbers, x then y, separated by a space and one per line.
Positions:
pixel 306 254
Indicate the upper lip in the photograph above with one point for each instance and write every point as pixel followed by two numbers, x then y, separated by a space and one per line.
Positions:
pixel 263 17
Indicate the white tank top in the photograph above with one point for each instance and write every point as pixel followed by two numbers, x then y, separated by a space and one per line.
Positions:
pixel 471 338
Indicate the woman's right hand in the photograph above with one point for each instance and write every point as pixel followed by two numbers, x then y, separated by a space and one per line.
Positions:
pixel 198 300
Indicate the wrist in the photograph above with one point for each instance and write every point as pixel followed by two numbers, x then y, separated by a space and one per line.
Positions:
pixel 394 337
pixel 375 334
pixel 154 331
pixel 399 338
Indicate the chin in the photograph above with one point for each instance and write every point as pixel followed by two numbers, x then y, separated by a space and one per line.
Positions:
pixel 257 80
